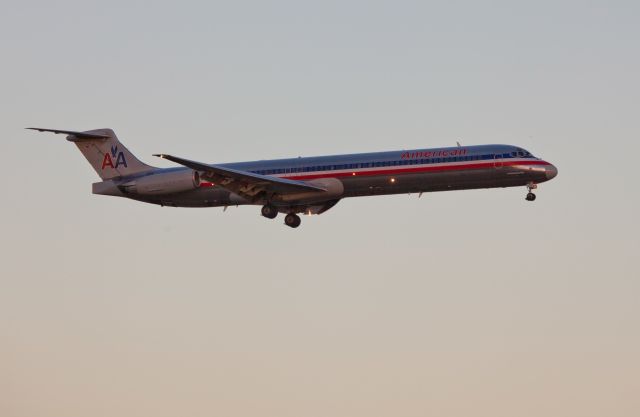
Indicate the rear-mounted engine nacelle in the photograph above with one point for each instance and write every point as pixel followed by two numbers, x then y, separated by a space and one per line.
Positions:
pixel 163 183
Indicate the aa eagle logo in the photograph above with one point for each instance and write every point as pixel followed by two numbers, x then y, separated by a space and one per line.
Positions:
pixel 107 161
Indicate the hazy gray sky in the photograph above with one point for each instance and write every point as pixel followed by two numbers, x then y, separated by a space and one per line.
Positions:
pixel 472 303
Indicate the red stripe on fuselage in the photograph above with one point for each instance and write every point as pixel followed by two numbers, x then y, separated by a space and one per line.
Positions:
pixel 397 170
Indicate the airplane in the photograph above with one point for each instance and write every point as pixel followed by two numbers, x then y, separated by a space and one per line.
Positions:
pixel 309 185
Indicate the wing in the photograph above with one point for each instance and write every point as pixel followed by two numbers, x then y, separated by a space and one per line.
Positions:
pixel 243 183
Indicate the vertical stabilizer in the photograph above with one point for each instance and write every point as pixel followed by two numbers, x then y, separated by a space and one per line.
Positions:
pixel 108 157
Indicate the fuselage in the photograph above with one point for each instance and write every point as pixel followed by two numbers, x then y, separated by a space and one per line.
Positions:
pixel 303 185
pixel 368 174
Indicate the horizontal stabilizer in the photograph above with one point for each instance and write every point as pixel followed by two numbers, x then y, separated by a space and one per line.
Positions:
pixel 79 135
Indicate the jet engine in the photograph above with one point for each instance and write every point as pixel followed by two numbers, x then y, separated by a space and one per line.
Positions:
pixel 163 183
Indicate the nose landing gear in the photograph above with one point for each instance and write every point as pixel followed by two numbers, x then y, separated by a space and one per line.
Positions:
pixel 530 195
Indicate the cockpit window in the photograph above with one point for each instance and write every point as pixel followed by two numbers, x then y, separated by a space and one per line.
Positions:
pixel 521 153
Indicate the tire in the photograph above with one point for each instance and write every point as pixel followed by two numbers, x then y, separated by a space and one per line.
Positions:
pixel 269 211
pixel 292 220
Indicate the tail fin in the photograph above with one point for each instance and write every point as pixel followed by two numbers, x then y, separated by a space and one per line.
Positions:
pixel 105 153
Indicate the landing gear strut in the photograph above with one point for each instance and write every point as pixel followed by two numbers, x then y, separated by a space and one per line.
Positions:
pixel 269 211
pixel 292 220
pixel 530 195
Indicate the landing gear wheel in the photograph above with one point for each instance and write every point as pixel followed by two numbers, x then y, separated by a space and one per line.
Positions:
pixel 530 187
pixel 292 220
pixel 269 211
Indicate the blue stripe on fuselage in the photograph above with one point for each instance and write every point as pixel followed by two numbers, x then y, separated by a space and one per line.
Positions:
pixel 379 159
pixel 309 165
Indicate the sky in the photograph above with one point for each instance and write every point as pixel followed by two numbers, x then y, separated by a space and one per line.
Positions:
pixel 466 303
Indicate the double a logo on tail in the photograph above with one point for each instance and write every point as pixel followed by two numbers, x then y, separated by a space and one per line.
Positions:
pixel 108 159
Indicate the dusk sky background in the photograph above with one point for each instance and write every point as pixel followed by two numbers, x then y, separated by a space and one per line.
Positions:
pixel 470 303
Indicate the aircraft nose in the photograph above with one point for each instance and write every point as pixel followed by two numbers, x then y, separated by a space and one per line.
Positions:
pixel 551 171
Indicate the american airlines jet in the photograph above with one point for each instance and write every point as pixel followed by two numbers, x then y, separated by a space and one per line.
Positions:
pixel 305 185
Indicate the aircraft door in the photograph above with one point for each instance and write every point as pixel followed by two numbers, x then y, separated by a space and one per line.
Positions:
pixel 497 161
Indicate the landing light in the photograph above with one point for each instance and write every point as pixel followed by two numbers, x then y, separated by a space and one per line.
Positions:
pixel 393 180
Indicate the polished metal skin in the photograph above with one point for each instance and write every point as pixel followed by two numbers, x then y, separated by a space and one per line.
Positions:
pixel 306 185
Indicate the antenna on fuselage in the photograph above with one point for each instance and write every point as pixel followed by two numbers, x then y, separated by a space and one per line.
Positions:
pixel 458 143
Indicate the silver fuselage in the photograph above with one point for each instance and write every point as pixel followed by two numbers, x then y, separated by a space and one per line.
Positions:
pixel 368 174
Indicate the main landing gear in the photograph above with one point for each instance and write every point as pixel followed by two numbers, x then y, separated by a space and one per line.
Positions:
pixel 292 220
pixel 530 195
pixel 269 211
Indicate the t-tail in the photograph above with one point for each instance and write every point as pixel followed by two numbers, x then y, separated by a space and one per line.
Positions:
pixel 108 157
